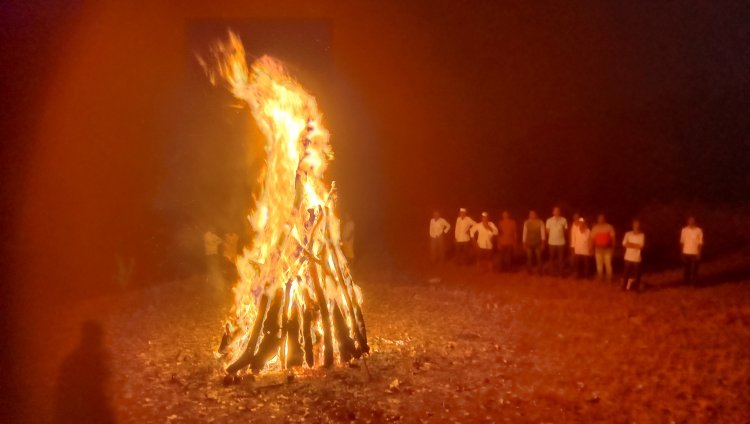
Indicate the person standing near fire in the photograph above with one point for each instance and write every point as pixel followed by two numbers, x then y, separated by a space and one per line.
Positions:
pixel 633 242
pixel 211 244
pixel 347 238
pixel 506 241
pixel 463 239
pixel 556 227
pixel 573 225
pixel 691 241
pixel 603 235
pixel 439 227
pixel 533 241
pixel 230 242
pixel 484 231
pixel 580 243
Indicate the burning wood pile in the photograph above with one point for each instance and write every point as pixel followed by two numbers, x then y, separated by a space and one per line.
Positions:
pixel 295 301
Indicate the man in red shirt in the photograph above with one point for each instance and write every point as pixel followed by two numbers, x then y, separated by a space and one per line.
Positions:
pixel 506 241
pixel 603 236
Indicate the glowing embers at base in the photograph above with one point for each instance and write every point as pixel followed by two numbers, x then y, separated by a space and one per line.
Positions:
pixel 295 302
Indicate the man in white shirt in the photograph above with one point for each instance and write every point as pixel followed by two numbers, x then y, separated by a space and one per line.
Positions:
pixel 691 240
pixel 573 225
pixel 463 239
pixel 484 231
pixel 580 244
pixel 439 227
pixel 633 243
pixel 556 227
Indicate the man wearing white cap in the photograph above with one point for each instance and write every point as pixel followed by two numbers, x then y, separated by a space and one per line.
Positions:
pixel 463 239
pixel 484 231
pixel 556 227
pixel 438 228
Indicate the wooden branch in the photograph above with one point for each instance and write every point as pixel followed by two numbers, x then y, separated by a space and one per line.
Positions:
pixel 324 316
pixel 346 345
pixel 307 315
pixel 362 341
pixel 247 355
pixel 284 322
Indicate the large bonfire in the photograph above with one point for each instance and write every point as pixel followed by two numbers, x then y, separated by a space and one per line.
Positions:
pixel 295 301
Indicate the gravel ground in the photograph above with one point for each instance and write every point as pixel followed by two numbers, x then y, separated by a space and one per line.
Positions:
pixel 448 345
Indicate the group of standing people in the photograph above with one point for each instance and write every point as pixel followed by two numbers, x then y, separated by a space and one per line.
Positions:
pixel 495 245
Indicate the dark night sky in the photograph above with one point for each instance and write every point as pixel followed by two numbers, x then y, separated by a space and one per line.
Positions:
pixel 110 133
pixel 597 105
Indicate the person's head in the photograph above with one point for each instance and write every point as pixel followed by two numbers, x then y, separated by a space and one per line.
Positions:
pixel 636 225
pixel 532 214
pixel 485 217
pixel 347 216
pixel 556 211
pixel 506 215
pixel 601 219
pixel 435 214
pixel 582 223
pixel 576 217
pixel 462 212
pixel 691 221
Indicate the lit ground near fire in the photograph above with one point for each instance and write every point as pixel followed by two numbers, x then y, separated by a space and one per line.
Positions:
pixel 502 348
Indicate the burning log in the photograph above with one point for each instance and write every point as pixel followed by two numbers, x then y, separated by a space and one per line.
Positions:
pixel 294 354
pixel 307 316
pixel 269 346
pixel 294 290
pixel 325 317
pixel 247 356
pixel 347 350
pixel 348 299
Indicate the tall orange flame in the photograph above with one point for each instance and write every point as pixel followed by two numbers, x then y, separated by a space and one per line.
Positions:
pixel 293 277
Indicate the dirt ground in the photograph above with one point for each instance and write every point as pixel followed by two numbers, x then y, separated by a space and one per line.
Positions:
pixel 448 345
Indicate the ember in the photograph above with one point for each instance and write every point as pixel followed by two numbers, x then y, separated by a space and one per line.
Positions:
pixel 295 293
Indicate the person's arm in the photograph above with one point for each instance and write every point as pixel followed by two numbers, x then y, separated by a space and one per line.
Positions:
pixel 682 240
pixel 544 234
pixel 473 230
pixel 700 242
pixel 447 226
pixel 572 238
pixel 523 235
pixel 494 229
pixel 629 244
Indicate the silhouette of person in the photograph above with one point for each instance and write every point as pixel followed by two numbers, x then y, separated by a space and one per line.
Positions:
pixel 82 385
